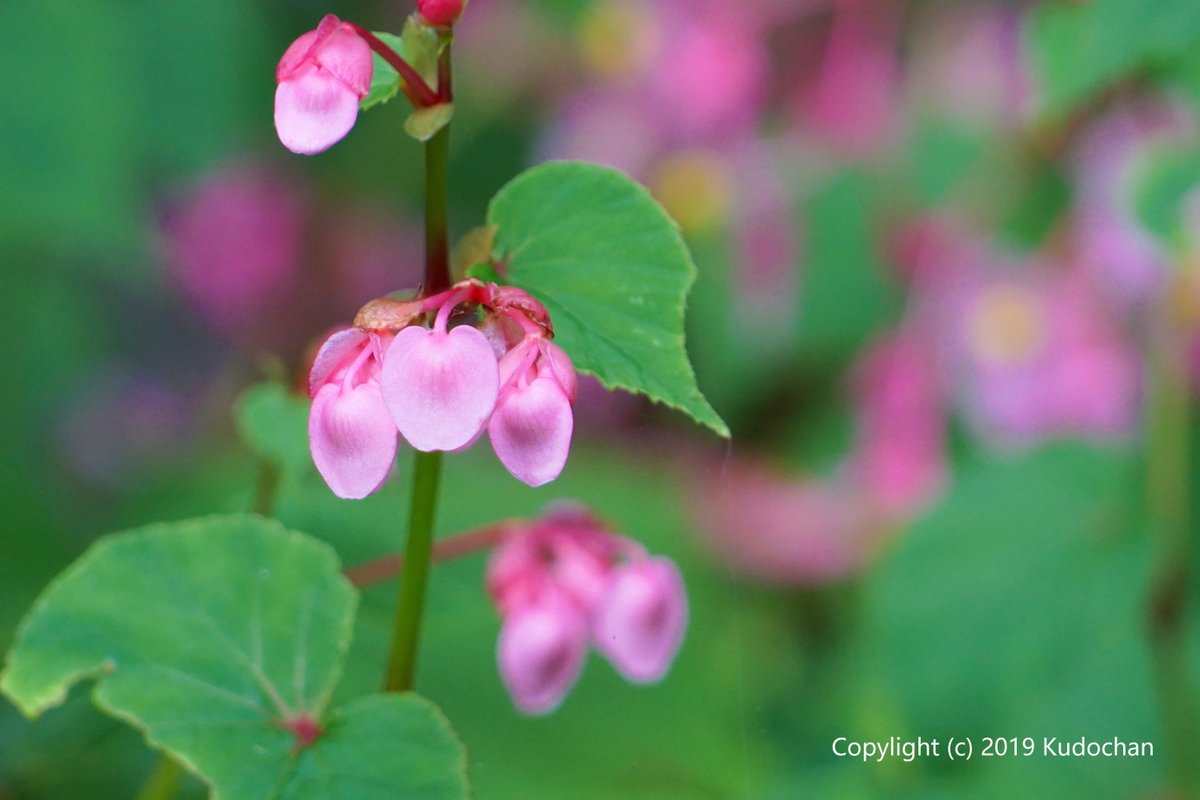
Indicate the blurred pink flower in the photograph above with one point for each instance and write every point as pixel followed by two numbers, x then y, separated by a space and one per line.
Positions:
pixel 899 456
pixel 233 243
pixel 1110 243
pixel 1040 357
pixel 564 580
pixel 782 529
pixel 854 105
pixel 969 65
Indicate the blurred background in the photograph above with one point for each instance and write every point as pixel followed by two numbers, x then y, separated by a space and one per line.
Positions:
pixel 948 302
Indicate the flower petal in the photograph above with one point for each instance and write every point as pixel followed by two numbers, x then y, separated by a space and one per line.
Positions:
pixel 344 53
pixel 313 110
pixel 340 347
pixel 440 387
pixel 531 430
pixel 541 654
pixel 352 438
pixel 642 618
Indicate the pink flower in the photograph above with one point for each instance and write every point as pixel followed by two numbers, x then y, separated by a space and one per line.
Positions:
pixel 540 653
pixel 854 106
pixel 440 12
pixel 564 579
pixel 233 242
pixel 640 621
pixel 531 426
pixel 782 529
pixel 352 436
pixel 322 77
pixel 1039 357
pixel 440 386
pixel 899 457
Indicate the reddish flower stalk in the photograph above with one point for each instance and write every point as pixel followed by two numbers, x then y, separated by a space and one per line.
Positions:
pixel 418 91
pixel 447 549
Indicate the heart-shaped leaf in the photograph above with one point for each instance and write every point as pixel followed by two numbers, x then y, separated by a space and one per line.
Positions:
pixel 612 270
pixel 223 639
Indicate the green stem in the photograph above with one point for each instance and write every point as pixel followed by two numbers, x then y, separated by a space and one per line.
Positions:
pixel 406 628
pixel 1168 494
pixel 163 782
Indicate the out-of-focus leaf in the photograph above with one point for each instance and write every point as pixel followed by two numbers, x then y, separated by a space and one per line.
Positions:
pixel 1078 49
pixel 1016 608
pixel 844 293
pixel 274 423
pixel 1159 192
pixel 212 636
pixel 614 273
pixel 942 155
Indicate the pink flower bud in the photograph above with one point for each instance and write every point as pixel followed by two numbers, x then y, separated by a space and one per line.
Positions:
pixel 440 12
pixel 541 653
pixel 440 386
pixel 352 436
pixel 322 77
pixel 640 622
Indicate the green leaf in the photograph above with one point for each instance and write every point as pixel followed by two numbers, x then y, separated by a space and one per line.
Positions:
pixel 385 81
pixel 612 270
pixel 423 123
pixel 1018 605
pixel 1161 186
pixel 1078 49
pixel 845 294
pixel 418 45
pixel 274 424
pixel 213 636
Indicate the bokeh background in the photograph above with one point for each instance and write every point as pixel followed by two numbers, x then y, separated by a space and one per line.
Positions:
pixel 947 301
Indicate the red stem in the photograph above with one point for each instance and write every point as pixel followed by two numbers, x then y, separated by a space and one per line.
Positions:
pixel 416 88
pixel 447 549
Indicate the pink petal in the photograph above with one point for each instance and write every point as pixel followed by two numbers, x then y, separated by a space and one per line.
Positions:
pixel 642 619
pixel 540 654
pixel 556 361
pixel 295 55
pixel 313 110
pixel 353 439
pixel 341 346
pixel 531 431
pixel 347 56
pixel 440 387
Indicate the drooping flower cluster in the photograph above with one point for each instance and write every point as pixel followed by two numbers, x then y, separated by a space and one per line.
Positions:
pixel 565 581
pixel 442 387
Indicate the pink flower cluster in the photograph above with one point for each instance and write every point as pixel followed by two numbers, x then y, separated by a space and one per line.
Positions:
pixel 442 387
pixel 565 581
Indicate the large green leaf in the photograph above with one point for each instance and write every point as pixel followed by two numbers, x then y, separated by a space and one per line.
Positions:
pixel 614 273
pixel 1017 608
pixel 1078 49
pixel 213 636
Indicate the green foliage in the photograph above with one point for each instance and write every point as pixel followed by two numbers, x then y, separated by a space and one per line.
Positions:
pixel 1078 49
pixel 1023 592
pixel 423 123
pixel 614 273
pixel 844 294
pixel 1163 183
pixel 214 635
pixel 273 422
